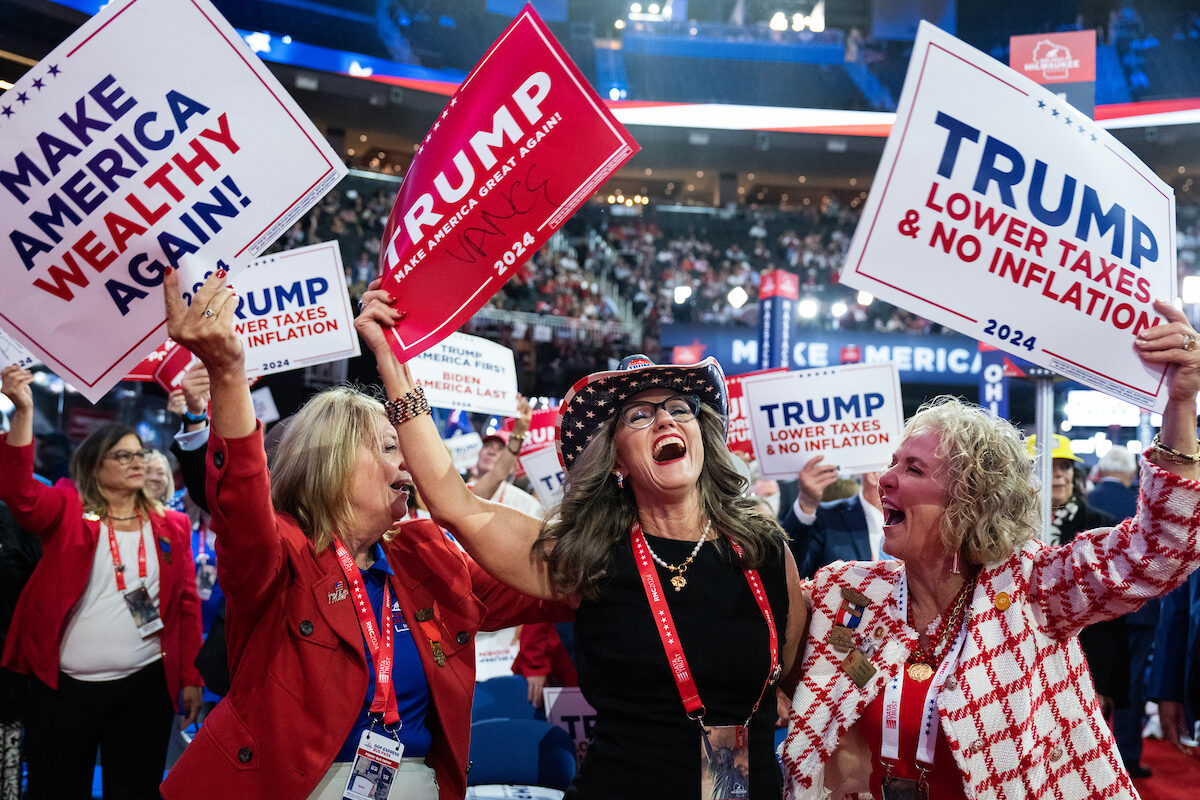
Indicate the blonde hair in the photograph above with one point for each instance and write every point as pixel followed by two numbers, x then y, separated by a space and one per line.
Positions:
pixel 85 470
pixel 313 469
pixel 169 489
pixel 992 507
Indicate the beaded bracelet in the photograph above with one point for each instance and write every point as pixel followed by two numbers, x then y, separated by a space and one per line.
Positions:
pixel 409 405
pixel 519 440
pixel 1171 454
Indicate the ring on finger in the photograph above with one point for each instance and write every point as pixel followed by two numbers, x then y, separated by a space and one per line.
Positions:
pixel 1189 342
pixel 208 312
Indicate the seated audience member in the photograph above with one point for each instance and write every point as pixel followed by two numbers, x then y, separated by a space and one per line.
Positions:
pixel 323 586
pixel 1116 493
pixel 109 623
pixel 850 529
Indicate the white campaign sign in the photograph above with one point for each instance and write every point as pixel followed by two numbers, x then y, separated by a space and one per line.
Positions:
pixel 852 415
pixel 1002 212
pixel 294 311
pixel 545 475
pixel 470 373
pixel 151 138
pixel 566 708
pixel 464 450
pixel 11 352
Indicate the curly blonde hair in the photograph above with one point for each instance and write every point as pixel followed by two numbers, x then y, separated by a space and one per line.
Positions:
pixel 992 506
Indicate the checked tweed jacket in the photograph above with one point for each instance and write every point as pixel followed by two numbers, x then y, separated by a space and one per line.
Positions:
pixel 1018 709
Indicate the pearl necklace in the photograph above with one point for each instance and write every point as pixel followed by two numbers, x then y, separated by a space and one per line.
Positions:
pixel 677 580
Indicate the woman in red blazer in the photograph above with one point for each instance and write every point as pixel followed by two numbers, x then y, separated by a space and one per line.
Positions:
pixel 109 623
pixel 321 583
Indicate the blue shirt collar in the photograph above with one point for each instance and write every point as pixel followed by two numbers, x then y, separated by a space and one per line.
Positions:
pixel 381 562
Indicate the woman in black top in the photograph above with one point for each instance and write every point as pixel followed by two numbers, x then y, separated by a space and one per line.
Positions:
pixel 657 545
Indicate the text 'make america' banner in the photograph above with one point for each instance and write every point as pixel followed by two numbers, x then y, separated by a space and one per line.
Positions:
pixel 151 138
pixel 523 143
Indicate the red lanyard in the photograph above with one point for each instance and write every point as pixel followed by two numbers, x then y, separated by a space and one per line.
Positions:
pixel 384 701
pixel 118 564
pixel 670 639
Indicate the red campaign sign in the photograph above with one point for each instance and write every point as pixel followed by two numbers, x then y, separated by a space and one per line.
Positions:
pixel 1066 57
pixel 523 143
pixel 541 430
pixel 738 435
pixel 164 366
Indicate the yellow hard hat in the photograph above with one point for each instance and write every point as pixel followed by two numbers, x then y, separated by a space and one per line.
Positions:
pixel 1062 448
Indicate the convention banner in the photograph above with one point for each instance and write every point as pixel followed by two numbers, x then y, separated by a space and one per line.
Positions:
pixel 470 373
pixel 11 352
pixel 566 708
pixel 738 434
pixel 293 310
pixel 545 475
pixel 523 142
pixel 1000 211
pixel 151 138
pixel 852 415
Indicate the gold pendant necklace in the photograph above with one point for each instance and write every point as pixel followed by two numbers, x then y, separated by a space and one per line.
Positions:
pixel 677 580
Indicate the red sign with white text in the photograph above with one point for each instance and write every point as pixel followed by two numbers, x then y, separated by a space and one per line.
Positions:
pixel 738 434
pixel 523 143
pixel 779 283
pixel 1067 57
pixel 165 366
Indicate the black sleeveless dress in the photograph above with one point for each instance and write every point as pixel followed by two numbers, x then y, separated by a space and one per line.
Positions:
pixel 643 744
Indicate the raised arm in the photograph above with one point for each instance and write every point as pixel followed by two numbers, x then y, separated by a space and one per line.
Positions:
pixel 238 485
pixel 1176 344
pixel 1110 571
pixel 499 538
pixel 487 484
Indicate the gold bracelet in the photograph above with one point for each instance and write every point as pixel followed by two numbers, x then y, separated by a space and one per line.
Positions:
pixel 409 405
pixel 519 440
pixel 1173 455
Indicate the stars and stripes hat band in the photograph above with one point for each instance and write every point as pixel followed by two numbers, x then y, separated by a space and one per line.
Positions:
pixel 595 398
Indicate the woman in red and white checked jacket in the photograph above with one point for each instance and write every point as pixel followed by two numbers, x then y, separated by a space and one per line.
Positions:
pixel 956 670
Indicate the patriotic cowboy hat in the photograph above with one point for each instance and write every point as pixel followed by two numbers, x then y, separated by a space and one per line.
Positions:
pixel 594 399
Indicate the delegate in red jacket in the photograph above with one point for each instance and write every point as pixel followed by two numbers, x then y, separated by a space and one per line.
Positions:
pixel 69 542
pixel 299 675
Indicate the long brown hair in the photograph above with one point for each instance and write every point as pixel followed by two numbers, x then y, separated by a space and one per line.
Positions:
pixel 595 514
pixel 85 470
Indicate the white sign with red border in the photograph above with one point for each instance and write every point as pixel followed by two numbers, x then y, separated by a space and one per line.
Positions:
pixel 468 372
pixel 1002 212
pixel 852 415
pixel 293 310
pixel 151 138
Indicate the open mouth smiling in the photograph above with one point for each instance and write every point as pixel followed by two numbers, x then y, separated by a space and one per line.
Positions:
pixel 668 448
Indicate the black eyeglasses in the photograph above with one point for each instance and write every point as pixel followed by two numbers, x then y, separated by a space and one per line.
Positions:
pixel 641 413
pixel 123 457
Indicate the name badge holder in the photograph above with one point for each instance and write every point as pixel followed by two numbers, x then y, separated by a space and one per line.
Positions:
pixel 893 788
pixel 376 762
pixel 141 607
pixel 724 749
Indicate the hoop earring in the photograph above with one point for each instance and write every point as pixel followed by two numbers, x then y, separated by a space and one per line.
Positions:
pixel 620 480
